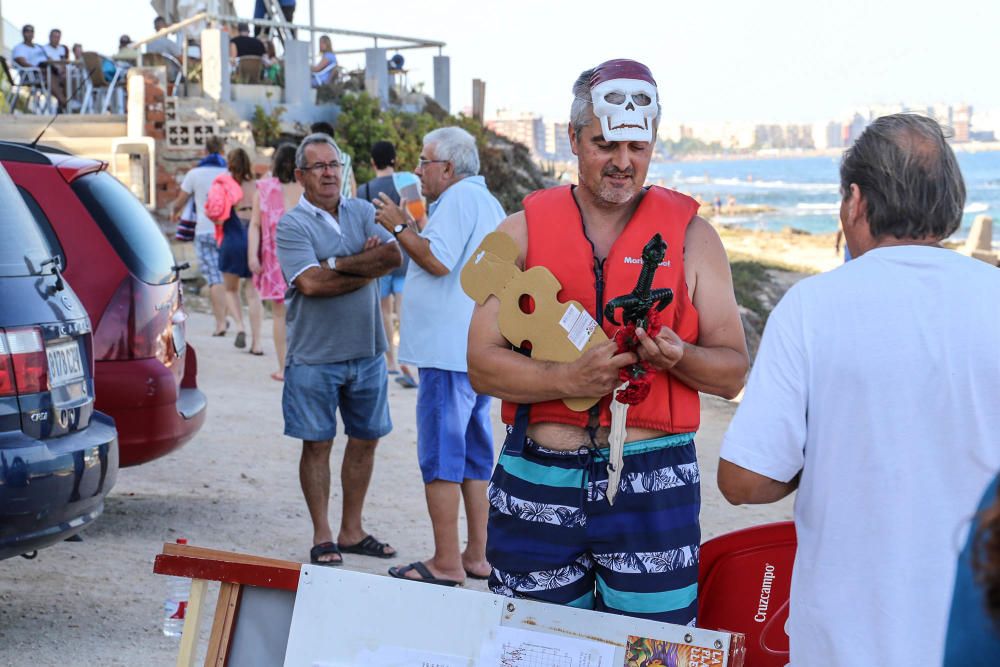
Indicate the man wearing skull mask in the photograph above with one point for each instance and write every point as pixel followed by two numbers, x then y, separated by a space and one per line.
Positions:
pixel 553 535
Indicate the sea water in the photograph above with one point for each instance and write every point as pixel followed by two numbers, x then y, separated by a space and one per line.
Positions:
pixel 804 191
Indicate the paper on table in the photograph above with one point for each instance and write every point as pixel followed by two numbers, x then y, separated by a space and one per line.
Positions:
pixel 513 647
pixel 398 656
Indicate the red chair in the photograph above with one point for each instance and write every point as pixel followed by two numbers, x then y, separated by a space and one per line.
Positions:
pixel 744 579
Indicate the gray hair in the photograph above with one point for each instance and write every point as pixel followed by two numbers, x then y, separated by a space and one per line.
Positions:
pixel 315 138
pixel 456 146
pixel 909 177
pixel 582 110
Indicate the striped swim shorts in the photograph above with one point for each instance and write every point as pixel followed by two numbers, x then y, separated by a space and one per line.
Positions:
pixel 553 537
pixel 208 258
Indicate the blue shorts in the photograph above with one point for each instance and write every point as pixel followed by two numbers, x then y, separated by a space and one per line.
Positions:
pixel 552 536
pixel 207 251
pixel 390 284
pixel 454 437
pixel 312 394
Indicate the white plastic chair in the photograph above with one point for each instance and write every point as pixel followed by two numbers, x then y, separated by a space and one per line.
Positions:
pixel 33 79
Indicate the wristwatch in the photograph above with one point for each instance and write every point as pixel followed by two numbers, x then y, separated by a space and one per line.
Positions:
pixel 398 229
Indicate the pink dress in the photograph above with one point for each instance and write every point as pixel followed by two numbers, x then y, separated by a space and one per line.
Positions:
pixel 269 282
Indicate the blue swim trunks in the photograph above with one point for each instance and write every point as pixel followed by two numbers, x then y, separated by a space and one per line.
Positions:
pixel 454 436
pixel 552 535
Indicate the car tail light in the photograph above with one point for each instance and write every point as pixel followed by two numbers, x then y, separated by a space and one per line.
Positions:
pixel 135 325
pixel 23 366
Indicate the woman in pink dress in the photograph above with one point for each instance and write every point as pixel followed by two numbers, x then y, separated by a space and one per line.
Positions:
pixel 275 195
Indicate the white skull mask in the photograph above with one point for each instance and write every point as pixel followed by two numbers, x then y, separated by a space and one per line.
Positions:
pixel 627 109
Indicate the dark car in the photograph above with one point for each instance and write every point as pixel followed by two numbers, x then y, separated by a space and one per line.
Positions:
pixel 58 456
pixel 121 265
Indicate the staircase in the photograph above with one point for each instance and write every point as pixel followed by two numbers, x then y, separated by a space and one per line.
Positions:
pixel 86 135
pixel 83 135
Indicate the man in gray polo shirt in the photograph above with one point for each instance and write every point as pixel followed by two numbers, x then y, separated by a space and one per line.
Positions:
pixel 332 253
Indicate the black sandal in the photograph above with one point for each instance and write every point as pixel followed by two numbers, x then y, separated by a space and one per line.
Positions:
pixel 323 549
pixel 369 547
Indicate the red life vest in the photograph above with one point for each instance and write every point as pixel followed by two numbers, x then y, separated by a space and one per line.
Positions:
pixel 557 241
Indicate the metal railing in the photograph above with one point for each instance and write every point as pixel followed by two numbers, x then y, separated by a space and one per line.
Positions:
pixel 408 42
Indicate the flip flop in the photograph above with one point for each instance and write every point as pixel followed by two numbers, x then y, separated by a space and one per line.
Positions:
pixel 406 382
pixel 472 575
pixel 323 549
pixel 369 547
pixel 259 353
pixel 425 575
pixel 241 340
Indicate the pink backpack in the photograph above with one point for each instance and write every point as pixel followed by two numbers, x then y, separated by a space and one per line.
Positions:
pixel 224 193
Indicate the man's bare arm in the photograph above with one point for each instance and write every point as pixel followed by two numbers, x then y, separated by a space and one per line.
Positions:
pixel 318 281
pixel 497 370
pixel 741 486
pixel 372 262
pixel 390 214
pixel 717 363
pixel 419 250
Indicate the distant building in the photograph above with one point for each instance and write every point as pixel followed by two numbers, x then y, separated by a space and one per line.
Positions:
pixel 854 128
pixel 524 128
pixel 834 134
pixel 961 123
pixel 562 150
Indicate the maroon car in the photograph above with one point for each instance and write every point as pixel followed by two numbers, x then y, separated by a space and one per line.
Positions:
pixel 122 269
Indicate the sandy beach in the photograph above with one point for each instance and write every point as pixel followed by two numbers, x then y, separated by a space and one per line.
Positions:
pixel 235 487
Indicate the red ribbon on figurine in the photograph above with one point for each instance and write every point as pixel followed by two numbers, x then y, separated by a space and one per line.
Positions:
pixel 638 375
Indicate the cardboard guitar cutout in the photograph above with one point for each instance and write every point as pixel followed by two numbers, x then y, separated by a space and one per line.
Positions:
pixel 557 331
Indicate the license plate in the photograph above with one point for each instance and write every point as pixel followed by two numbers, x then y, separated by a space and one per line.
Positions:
pixel 65 364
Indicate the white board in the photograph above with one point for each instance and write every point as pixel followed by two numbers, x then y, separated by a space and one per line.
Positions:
pixel 343 618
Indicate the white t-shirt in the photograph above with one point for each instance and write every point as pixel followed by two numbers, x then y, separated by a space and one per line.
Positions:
pixel 880 382
pixel 55 52
pixel 434 324
pixel 34 55
pixel 197 183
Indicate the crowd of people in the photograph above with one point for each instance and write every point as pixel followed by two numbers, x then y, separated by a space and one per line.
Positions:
pixel 50 63
pixel 871 396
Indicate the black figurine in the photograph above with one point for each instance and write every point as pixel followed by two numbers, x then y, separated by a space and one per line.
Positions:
pixel 635 305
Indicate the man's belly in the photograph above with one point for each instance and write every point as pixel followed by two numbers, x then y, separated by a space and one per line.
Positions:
pixel 563 437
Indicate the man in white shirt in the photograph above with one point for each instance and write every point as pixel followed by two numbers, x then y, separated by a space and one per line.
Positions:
pixel 29 54
pixel 196 184
pixel 454 436
pixel 875 395
pixel 54 51
pixel 163 44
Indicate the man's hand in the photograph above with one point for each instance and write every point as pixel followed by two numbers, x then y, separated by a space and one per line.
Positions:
pixel 388 213
pixel 596 372
pixel 372 242
pixel 662 351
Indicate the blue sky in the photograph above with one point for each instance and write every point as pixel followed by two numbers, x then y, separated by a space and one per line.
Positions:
pixel 780 60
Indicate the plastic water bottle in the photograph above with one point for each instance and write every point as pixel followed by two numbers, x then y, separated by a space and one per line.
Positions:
pixel 175 605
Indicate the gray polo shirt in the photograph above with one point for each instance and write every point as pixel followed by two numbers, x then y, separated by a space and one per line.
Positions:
pixel 326 330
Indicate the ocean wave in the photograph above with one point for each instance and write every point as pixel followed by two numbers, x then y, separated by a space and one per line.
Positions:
pixel 818 208
pixel 763 185
pixel 976 207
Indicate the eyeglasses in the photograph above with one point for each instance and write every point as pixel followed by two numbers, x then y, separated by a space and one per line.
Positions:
pixel 423 162
pixel 320 167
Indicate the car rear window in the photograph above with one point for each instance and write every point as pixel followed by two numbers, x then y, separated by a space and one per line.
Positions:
pixel 44 225
pixel 128 226
pixel 23 247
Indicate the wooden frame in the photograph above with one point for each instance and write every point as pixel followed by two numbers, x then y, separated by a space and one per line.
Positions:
pixel 234 571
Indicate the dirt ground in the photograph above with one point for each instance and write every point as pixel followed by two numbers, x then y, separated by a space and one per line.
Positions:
pixel 235 487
